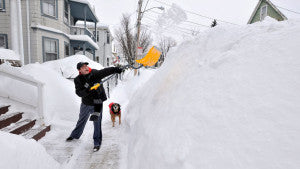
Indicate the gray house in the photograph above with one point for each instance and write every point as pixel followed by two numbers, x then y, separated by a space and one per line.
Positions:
pixel 43 30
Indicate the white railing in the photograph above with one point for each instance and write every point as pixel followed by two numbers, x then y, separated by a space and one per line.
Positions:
pixel 29 80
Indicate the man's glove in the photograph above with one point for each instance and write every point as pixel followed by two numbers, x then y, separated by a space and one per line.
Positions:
pixel 95 87
pixel 119 70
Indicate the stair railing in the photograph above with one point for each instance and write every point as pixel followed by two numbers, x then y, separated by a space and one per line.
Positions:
pixel 28 80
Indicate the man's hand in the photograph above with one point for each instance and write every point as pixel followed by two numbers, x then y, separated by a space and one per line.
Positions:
pixel 119 70
pixel 95 87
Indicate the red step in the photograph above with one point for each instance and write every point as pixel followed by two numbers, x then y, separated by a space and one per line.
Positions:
pixel 37 133
pixel 6 120
pixel 20 127
pixel 3 109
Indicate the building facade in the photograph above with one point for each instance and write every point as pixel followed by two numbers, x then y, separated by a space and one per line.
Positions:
pixel 103 38
pixel 44 30
pixel 266 8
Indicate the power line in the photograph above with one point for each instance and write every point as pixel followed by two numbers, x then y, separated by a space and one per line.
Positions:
pixel 191 12
pixel 199 24
pixel 174 25
pixel 288 10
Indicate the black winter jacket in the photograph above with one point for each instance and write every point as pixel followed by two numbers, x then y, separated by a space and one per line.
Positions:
pixel 83 83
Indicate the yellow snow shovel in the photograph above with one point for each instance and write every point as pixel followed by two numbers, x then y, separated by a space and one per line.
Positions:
pixel 151 57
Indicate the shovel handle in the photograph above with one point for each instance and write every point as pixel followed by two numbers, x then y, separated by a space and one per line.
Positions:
pixel 127 66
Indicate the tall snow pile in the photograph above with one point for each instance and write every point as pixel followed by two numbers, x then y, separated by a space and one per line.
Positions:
pixel 226 100
pixel 67 66
pixel 60 100
pixel 18 152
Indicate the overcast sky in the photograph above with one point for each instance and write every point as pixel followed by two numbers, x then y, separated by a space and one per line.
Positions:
pixel 233 11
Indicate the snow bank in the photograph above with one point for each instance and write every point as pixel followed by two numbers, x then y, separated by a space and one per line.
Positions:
pixel 67 66
pixel 18 152
pixel 8 54
pixel 226 100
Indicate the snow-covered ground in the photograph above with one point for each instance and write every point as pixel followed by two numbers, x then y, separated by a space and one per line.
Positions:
pixel 228 99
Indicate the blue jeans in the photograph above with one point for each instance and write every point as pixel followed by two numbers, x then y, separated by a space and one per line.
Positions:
pixel 85 111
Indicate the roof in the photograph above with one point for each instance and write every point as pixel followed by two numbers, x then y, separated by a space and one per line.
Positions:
pixel 77 13
pixel 271 4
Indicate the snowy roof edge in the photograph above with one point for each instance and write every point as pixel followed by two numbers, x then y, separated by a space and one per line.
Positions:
pixel 71 37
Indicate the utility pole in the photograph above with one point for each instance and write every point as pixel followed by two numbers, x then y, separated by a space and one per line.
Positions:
pixel 138 25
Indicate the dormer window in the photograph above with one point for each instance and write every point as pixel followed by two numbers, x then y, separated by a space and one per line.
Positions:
pixel 263 12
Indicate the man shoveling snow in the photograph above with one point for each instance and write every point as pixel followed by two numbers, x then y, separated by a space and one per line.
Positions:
pixel 93 97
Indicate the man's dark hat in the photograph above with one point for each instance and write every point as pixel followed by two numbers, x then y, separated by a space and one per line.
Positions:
pixel 80 64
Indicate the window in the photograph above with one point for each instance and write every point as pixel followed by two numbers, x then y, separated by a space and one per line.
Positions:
pixel 108 38
pixel 50 49
pixel 2 5
pixel 97 59
pixel 49 7
pixel 97 39
pixel 263 12
pixel 66 12
pixel 3 41
pixel 67 50
pixel 107 63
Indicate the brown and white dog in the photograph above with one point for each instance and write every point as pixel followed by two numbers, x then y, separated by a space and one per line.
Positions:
pixel 115 110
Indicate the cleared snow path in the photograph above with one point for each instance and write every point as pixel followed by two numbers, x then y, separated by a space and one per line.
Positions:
pixel 78 154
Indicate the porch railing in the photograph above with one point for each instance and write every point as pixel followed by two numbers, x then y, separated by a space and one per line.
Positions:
pixel 77 30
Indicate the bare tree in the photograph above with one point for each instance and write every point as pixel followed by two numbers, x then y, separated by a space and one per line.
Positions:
pixel 127 39
pixel 165 44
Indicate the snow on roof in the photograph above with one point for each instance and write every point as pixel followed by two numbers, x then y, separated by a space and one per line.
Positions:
pixel 84 38
pixel 92 25
pixel 71 37
pixel 8 54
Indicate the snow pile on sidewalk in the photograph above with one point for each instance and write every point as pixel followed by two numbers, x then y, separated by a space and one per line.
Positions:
pixel 8 54
pixel 67 66
pixel 18 152
pixel 60 100
pixel 226 100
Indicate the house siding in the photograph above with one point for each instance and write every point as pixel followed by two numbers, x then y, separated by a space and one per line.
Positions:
pixel 37 18
pixel 37 46
pixel 5 22
pixel 270 12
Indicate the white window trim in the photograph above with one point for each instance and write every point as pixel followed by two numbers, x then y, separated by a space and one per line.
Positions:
pixel 261 11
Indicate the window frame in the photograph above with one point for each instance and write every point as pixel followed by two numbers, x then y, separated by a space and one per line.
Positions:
pixel 55 10
pixel 66 2
pixel 261 14
pixel 66 44
pixel 3 6
pixel 5 40
pixel 44 50
pixel 108 37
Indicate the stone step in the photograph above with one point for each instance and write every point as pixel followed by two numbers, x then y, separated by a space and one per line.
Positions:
pixel 3 109
pixel 20 127
pixel 37 133
pixel 6 120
